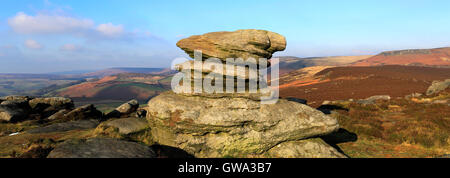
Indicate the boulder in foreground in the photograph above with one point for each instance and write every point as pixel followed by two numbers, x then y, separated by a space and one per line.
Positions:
pixel 236 127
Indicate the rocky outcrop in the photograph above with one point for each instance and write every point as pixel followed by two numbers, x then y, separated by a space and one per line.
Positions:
pixel 101 148
pixel 56 103
pixel 216 47
pixel 236 124
pixel 438 86
pixel 18 108
pixel 16 98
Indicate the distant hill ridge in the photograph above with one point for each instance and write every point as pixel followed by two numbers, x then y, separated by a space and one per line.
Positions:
pixel 412 51
pixel 437 57
pixel 118 70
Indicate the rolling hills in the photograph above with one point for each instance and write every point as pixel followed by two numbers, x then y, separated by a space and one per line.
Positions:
pixel 354 82
pixel 120 70
pixel 117 87
pixel 289 63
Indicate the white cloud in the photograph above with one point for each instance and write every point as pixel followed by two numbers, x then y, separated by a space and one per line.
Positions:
pixel 70 47
pixel 110 30
pixel 41 23
pixel 33 44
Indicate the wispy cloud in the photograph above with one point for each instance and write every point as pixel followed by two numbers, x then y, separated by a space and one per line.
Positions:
pixel 33 44
pixel 110 30
pixel 42 23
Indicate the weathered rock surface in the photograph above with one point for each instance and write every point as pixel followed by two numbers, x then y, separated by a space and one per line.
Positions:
pixel 58 115
pixel 124 109
pixel 438 86
pixel 256 96
pixel 101 148
pixel 128 107
pixel 16 98
pixel 22 104
pixel 310 148
pixel 236 71
pixel 83 113
pixel 19 108
pixel 238 44
pixel 220 127
pixel 66 126
pixel 372 99
pixel 126 125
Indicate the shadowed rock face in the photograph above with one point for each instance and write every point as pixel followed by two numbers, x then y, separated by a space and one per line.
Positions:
pixel 14 108
pixel 9 114
pixel 66 126
pixel 234 127
pixel 101 148
pixel 311 148
pixel 244 44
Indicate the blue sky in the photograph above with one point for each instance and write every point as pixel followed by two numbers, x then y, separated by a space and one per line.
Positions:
pixel 40 36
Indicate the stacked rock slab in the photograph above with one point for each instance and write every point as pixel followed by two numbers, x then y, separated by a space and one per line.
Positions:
pixel 220 125
pixel 244 47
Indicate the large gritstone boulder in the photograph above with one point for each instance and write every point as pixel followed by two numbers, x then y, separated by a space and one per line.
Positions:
pixel 220 127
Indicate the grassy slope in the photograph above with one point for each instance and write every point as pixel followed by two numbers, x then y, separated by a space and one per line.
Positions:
pixel 25 86
pixel 397 128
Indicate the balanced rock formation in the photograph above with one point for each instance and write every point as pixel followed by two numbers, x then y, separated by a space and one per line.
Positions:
pixel 236 124
pixel 249 51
